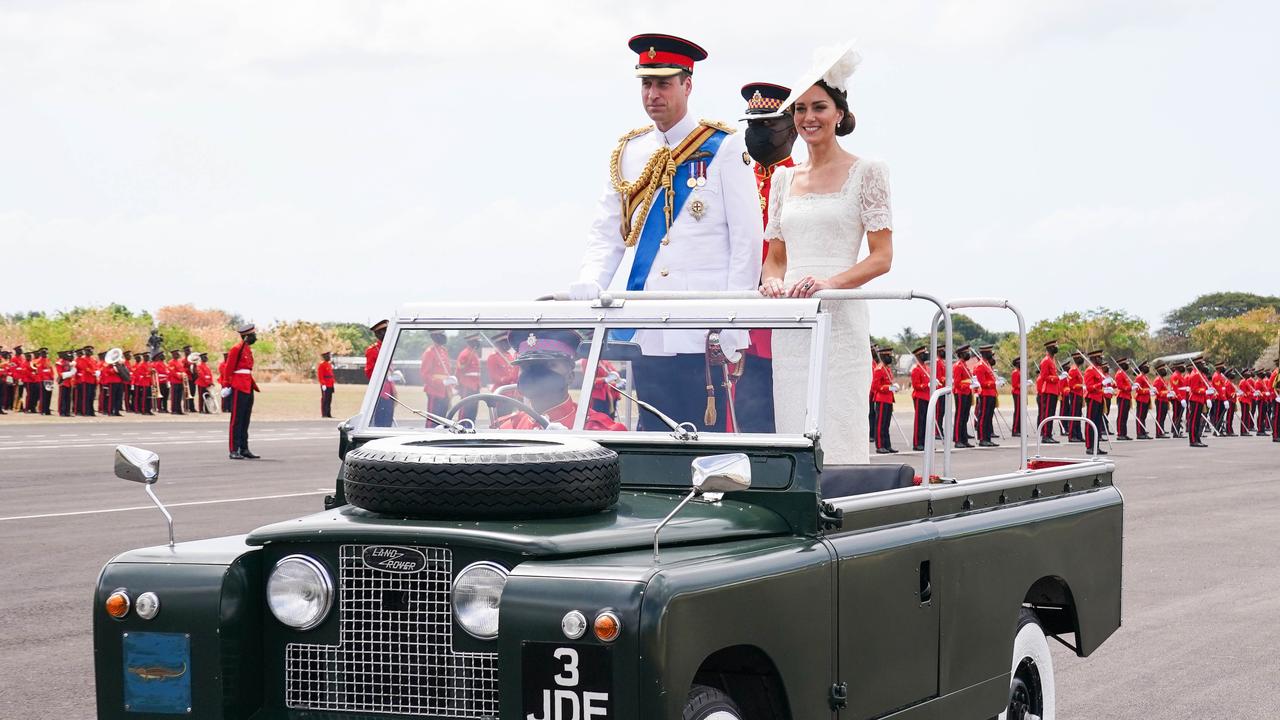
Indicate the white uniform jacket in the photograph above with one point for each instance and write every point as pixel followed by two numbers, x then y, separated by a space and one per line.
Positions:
pixel 720 251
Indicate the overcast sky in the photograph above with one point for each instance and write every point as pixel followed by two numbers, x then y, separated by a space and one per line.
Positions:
pixel 332 160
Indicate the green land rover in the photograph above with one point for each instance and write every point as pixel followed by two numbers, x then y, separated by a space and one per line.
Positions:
pixel 551 543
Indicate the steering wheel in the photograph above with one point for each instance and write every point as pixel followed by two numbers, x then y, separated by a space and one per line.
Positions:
pixel 493 398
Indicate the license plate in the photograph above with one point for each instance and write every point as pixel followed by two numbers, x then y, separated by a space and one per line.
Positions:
pixel 567 681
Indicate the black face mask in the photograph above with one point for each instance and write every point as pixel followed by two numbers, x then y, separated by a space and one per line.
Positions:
pixel 251 338
pixel 543 386
pixel 768 146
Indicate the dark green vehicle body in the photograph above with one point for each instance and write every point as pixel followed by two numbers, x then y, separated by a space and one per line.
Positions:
pixel 904 607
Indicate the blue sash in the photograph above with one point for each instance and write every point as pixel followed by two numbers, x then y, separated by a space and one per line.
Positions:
pixel 655 226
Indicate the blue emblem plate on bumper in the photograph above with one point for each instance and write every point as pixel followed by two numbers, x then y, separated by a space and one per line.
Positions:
pixel 157 677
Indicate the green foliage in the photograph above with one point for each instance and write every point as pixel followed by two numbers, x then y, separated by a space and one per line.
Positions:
pixel 352 338
pixel 1239 340
pixel 1115 332
pixel 1215 306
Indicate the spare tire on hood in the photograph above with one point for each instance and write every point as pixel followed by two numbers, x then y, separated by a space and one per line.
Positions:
pixel 496 476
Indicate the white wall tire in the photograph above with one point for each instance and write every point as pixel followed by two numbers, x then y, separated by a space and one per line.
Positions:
pixel 1032 693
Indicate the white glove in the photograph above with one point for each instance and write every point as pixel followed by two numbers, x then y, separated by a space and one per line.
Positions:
pixel 1062 376
pixel 1108 391
pixel 71 373
pixel 1257 394
pixel 613 378
pixel 1210 391
pixel 894 387
pixel 1152 392
pixel 975 384
pixel 1184 404
pixel 1000 382
pixel 450 381
pixel 556 426
pixel 97 374
pixel 226 392
pixel 1108 381
pixel 589 290
pixel 396 377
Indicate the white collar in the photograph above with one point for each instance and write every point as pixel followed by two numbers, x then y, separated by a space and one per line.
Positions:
pixel 679 131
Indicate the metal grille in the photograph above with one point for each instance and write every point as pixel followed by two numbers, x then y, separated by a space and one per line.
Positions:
pixel 395 651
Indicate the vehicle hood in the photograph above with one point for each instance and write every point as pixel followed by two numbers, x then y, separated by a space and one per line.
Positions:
pixel 629 524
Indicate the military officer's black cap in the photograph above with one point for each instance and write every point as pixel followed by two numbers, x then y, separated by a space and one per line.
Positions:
pixel 324 354
pixel 664 55
pixel 986 348
pixel 1016 361
pixel 246 329
pixel 157 354
pixel 922 350
pixel 1051 344
pixel 963 348
pixel 1144 366
pixel 764 100
pixel 501 335
pixel 380 325
pixel 1221 366
pixel 548 345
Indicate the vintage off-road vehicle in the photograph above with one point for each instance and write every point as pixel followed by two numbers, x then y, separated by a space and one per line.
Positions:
pixel 524 556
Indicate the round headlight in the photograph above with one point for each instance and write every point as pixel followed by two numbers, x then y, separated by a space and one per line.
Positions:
pixel 299 592
pixel 477 592
pixel 148 605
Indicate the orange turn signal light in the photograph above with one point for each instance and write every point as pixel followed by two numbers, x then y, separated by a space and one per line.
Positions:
pixel 607 626
pixel 117 604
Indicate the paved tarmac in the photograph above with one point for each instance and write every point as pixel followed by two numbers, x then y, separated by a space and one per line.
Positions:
pixel 1201 587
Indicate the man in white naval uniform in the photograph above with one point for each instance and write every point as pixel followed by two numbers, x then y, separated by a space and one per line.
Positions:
pixel 708 240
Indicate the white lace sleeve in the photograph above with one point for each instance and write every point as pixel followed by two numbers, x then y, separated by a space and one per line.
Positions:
pixel 873 198
pixel 781 179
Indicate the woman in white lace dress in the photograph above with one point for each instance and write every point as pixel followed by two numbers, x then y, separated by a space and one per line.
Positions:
pixel 818 215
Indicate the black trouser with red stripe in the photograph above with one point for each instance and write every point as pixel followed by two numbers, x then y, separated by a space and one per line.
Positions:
pixel 1144 409
pixel 1229 421
pixel 1122 416
pixel 918 430
pixel 1275 427
pixel 1046 406
pixel 884 413
pixel 1016 429
pixel 175 398
pixel 1246 417
pixel 33 396
pixel 241 411
pixel 986 417
pixel 1093 410
pixel 1162 413
pixel 1177 416
pixel 64 400
pixel 46 400
pixel 1195 421
pixel 939 415
pixel 964 403
pixel 117 398
pixel 326 401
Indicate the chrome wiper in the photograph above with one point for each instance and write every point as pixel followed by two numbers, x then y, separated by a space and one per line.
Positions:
pixel 679 431
pixel 463 427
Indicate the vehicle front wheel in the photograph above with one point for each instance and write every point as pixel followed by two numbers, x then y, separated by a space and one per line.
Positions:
pixel 1031 690
pixel 708 703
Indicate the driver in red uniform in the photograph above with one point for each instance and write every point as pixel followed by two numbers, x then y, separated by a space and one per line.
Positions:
pixel 545 361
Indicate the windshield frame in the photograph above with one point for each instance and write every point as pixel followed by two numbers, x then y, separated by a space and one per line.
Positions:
pixel 638 314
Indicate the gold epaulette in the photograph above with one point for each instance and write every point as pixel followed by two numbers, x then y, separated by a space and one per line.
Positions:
pixel 718 126
pixel 635 133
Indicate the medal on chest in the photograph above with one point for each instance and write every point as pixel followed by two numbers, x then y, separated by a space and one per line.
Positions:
pixel 697 179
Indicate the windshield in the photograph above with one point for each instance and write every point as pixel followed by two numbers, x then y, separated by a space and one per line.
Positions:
pixel 647 380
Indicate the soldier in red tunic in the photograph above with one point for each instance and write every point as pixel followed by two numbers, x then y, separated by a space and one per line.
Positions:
pixel 1198 394
pixel 964 386
pixel 438 380
pixel 920 396
pixel 1095 392
pixel 324 376
pixel 177 382
pixel 1143 395
pixel 1123 398
pixel 241 390
pixel 383 408
pixel 1165 398
pixel 204 380
pixel 501 364
pixel 1047 384
pixel 467 370
pixel 769 138
pixel 545 360
pixel 882 395
pixel 987 394
pixel 1015 392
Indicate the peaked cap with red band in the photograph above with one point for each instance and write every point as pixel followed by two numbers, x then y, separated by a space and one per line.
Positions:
pixel 664 55
pixel 548 345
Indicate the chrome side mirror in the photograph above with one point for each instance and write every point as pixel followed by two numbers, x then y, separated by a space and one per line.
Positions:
pixel 142 466
pixel 713 476
pixel 722 473
pixel 137 465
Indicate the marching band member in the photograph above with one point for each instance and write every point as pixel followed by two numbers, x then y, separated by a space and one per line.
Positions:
pixel 324 376
pixel 920 396
pixel 241 390
pixel 160 373
pixel 1177 383
pixel 140 384
pixel 203 380
pixel 188 388
pixel 66 371
pixel 86 382
pixel 42 370
pixel 177 383
pixel 6 381
pixel 1198 393
pixel 986 395
pixel 109 380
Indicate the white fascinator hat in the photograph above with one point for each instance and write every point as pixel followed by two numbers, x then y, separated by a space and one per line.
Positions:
pixel 832 64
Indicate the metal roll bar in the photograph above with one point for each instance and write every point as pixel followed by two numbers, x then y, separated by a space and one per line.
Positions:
pixel 1074 418
pixel 1000 303
pixel 607 298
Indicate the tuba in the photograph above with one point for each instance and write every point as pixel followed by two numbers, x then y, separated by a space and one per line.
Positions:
pixel 115 358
